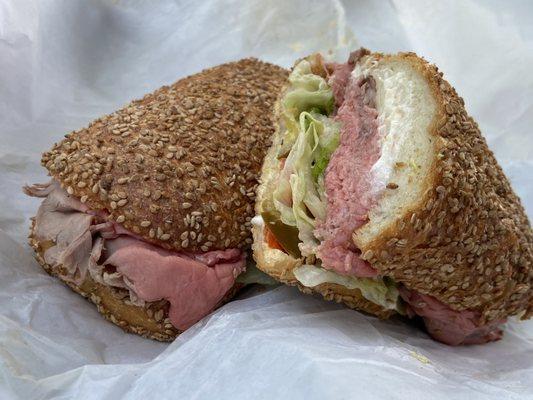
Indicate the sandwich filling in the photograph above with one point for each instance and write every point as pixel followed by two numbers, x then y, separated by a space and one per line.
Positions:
pixel 331 176
pixel 85 242
pixel 324 189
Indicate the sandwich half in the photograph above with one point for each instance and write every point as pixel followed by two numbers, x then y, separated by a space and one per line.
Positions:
pixel 148 210
pixel 380 192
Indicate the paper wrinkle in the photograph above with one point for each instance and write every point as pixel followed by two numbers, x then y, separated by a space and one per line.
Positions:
pixel 64 63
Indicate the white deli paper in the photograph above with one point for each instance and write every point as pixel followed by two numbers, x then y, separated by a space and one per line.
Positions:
pixel 64 63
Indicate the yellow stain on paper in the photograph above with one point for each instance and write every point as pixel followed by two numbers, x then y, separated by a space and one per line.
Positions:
pixel 423 359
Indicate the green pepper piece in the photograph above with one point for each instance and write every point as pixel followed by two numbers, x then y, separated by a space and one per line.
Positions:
pixel 286 235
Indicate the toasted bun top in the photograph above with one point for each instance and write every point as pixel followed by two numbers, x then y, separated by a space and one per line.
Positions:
pixel 179 166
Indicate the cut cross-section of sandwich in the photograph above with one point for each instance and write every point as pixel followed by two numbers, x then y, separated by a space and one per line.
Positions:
pixel 148 210
pixel 380 192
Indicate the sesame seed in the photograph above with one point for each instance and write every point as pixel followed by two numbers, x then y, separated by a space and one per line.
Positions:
pixel 145 224
pixel 121 219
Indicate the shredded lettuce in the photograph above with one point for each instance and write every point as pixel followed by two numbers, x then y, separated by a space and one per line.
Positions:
pixel 309 140
pixel 308 199
pixel 328 142
pixel 307 92
pixel 379 291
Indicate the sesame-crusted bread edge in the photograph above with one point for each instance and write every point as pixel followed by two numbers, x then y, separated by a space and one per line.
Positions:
pixel 467 241
pixel 178 167
pixel 150 321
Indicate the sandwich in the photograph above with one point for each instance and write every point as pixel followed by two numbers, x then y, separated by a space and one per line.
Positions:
pixel 147 213
pixel 380 192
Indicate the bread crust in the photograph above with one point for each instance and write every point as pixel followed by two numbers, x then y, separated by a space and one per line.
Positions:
pixel 178 167
pixel 467 241
pixel 150 321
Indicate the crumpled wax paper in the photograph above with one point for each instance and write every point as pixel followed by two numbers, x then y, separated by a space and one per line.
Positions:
pixel 64 63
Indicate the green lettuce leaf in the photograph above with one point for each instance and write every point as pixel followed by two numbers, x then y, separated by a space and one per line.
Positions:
pixel 310 139
pixel 302 177
pixel 328 143
pixel 308 200
pixel 307 92
pixel 377 290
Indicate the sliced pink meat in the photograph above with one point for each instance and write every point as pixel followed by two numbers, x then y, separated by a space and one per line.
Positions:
pixel 85 241
pixel 193 288
pixel 339 80
pixel 450 326
pixel 62 219
pixel 340 77
pixel 348 181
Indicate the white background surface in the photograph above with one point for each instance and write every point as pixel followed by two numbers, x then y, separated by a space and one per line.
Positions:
pixel 64 63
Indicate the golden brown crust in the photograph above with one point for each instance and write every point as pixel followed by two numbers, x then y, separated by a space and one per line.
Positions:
pixel 150 321
pixel 468 241
pixel 179 166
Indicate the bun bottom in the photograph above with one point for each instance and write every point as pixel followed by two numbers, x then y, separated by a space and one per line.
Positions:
pixel 150 321
pixel 280 265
